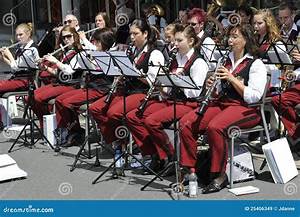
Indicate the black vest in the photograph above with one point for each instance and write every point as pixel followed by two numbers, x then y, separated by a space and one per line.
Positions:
pixel 242 73
pixel 178 92
pixel 134 84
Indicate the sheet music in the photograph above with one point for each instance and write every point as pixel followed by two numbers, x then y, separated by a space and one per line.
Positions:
pixel 181 81
pixel 123 63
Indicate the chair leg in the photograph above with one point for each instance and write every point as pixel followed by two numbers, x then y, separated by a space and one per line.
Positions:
pixel 231 161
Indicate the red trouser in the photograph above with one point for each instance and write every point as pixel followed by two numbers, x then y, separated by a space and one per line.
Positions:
pixel 13 85
pixel 218 118
pixel 45 93
pixel 67 106
pixel 286 107
pixel 148 130
pixel 109 117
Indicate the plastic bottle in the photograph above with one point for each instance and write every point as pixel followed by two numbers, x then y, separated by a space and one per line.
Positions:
pixel 193 184
pixel 118 153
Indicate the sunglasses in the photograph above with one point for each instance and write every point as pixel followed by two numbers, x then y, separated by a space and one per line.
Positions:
pixel 66 36
pixel 68 21
pixel 192 24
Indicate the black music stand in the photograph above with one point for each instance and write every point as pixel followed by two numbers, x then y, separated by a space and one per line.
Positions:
pixel 29 68
pixel 122 66
pixel 277 56
pixel 176 82
pixel 92 62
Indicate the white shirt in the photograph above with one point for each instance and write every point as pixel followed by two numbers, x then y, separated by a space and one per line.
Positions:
pixel 29 58
pixel 257 78
pixel 198 72
pixel 87 44
pixel 80 61
pixel 287 34
pixel 156 60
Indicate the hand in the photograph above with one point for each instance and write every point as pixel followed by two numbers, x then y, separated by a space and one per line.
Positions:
pixel 224 74
pixel 210 81
pixel 82 35
pixel 295 55
pixel 51 59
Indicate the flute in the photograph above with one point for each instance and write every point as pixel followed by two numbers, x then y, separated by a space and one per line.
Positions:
pixel 59 49
pixel 13 45
pixel 92 30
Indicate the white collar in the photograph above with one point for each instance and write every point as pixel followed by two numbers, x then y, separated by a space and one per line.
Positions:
pixel 28 44
pixel 235 64
pixel 186 56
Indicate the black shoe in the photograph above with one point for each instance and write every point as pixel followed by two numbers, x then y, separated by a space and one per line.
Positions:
pixel 156 165
pixel 74 139
pixel 117 172
pixel 216 184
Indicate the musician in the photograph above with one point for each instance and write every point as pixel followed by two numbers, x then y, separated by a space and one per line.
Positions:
pixel 67 104
pixel 146 60
pixel 183 16
pixel 239 86
pixel 246 14
pixel 147 130
pixel 197 19
pixel 289 30
pixel 68 37
pixel 170 36
pixel 268 36
pixel 28 50
pixel 101 21
pixel 285 104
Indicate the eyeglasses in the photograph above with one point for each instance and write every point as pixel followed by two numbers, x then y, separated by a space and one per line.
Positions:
pixel 193 24
pixel 68 21
pixel 66 36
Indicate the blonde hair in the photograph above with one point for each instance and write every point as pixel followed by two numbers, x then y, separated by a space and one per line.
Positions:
pixel 273 31
pixel 26 27
pixel 170 28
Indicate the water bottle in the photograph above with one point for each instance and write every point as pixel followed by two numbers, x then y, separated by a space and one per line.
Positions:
pixel 119 162
pixel 193 184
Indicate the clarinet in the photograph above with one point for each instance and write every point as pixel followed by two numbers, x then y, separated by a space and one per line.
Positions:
pixel 142 106
pixel 129 53
pixel 205 101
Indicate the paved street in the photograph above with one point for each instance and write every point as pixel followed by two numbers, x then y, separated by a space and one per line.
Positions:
pixel 49 178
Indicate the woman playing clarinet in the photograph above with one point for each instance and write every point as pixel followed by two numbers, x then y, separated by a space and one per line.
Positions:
pixel 238 87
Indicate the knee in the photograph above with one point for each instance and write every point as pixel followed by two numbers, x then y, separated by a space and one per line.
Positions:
pixel 131 117
pixel 214 127
pixel 151 123
pixel 114 113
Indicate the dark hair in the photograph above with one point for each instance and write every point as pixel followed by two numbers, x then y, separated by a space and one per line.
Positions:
pixel 198 13
pixel 245 8
pixel 189 32
pixel 105 18
pixel 105 36
pixel 247 31
pixel 144 26
pixel 287 5
pixel 77 46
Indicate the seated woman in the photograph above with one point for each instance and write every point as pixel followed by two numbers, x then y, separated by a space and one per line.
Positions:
pixel 147 129
pixel 67 104
pixel 26 53
pixel 239 86
pixel 27 49
pixel 146 59
pixel 70 39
